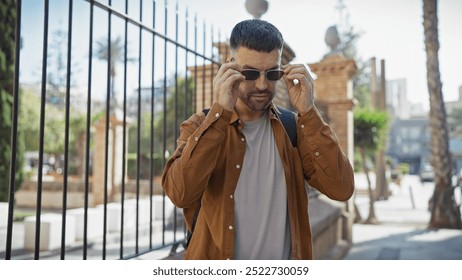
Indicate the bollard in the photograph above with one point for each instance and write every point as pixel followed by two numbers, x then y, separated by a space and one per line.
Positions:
pixel 412 197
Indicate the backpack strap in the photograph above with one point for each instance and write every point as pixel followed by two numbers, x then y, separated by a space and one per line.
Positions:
pixel 193 225
pixel 290 124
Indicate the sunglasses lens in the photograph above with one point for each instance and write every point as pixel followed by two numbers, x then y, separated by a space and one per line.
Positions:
pixel 250 75
pixel 274 75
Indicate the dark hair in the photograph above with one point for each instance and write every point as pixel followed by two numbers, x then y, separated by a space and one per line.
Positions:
pixel 256 34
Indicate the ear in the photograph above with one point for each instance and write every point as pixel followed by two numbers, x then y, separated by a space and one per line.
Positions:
pixel 233 54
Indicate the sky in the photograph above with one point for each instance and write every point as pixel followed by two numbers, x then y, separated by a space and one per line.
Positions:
pixel 391 30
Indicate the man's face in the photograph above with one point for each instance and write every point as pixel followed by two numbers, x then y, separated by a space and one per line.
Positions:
pixel 257 94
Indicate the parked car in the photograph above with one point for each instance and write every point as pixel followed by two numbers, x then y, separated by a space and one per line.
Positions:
pixel 426 173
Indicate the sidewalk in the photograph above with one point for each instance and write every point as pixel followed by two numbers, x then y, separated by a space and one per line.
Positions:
pixel 401 231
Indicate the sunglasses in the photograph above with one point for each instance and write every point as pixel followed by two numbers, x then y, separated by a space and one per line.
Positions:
pixel 271 75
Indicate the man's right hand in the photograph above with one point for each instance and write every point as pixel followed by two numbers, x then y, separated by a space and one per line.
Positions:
pixel 226 85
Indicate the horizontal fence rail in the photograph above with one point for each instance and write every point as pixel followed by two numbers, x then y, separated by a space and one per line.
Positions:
pixel 111 87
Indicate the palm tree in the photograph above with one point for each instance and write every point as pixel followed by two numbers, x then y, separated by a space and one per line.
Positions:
pixel 444 211
pixel 112 53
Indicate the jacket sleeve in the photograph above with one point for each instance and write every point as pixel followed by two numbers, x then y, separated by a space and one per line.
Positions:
pixel 187 172
pixel 325 165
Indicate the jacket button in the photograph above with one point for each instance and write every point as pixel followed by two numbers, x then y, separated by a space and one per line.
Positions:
pixel 230 227
pixel 316 154
pixel 238 166
pixel 217 115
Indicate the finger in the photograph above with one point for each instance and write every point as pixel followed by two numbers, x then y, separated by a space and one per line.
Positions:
pixel 225 71
pixel 220 79
pixel 226 66
pixel 297 68
pixel 294 72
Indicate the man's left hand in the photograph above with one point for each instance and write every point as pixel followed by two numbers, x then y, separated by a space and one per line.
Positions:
pixel 300 85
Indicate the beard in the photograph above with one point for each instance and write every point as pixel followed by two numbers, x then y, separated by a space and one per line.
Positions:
pixel 257 100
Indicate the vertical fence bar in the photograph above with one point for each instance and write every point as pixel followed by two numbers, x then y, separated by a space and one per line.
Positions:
pixel 227 50
pixel 219 42
pixel 165 117
pixel 14 132
pixel 153 94
pixel 66 132
pixel 42 131
pixel 204 65
pixel 176 73
pixel 124 137
pixel 195 63
pixel 108 109
pixel 186 78
pixel 88 131
pixel 176 106
pixel 186 86
pixel 212 65
pixel 176 76
pixel 138 162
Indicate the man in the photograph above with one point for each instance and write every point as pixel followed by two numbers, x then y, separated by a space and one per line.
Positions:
pixel 239 163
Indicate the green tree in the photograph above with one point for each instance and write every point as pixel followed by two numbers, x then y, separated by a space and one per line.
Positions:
pixel 178 96
pixel 444 211
pixel 54 130
pixel 7 59
pixel 370 132
pixel 176 99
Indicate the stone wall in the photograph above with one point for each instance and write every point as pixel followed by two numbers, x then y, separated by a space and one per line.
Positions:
pixel 52 195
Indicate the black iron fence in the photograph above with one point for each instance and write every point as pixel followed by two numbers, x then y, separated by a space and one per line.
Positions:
pixel 121 73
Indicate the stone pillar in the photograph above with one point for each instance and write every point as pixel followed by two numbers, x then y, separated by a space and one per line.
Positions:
pixel 115 149
pixel 333 88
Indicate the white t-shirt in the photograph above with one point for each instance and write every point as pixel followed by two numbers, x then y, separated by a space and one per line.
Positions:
pixel 261 218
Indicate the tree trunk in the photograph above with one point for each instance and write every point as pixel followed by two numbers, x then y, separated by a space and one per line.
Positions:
pixel 381 184
pixel 371 219
pixel 444 211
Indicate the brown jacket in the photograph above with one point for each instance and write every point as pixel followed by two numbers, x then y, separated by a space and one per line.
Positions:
pixel 207 163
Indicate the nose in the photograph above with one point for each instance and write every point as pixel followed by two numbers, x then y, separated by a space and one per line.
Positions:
pixel 261 83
